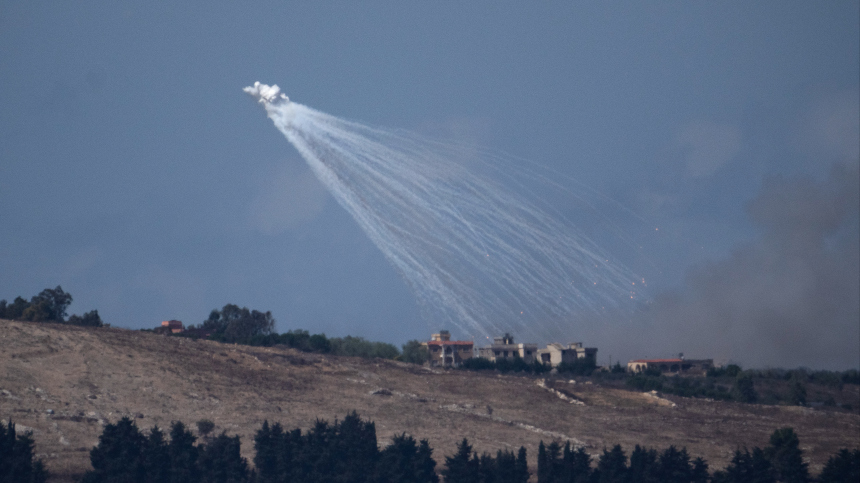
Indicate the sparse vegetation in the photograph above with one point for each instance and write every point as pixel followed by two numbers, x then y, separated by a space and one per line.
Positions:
pixel 415 352
pixel 360 347
pixel 237 325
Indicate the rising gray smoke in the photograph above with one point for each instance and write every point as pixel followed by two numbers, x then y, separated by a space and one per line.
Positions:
pixel 791 297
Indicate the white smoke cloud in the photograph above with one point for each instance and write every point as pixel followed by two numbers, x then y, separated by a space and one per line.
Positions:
pixel 266 93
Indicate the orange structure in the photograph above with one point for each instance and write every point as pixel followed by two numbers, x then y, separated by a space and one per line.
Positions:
pixel 174 326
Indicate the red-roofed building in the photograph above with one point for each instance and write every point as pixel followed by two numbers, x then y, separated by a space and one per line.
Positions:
pixel 675 365
pixel 446 352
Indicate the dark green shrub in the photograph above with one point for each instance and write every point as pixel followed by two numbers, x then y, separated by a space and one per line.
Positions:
pixel 204 427
pixel 478 364
pixel 851 376
pixel 797 393
pixel 360 347
pixel 786 457
pixel 744 390
pixel 221 461
pixel 89 319
pixel 579 367
pixel 644 382
pixel 239 325
pixel 405 461
pixel 415 352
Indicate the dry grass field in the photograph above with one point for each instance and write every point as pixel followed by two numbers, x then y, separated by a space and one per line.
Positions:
pixel 64 383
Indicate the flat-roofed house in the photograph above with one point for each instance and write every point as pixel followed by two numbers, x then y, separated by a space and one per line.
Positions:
pixel 556 353
pixel 504 347
pixel 446 352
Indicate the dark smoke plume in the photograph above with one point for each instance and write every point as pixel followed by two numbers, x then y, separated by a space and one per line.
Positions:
pixel 790 298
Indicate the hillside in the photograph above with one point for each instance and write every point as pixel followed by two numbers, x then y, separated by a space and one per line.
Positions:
pixel 65 382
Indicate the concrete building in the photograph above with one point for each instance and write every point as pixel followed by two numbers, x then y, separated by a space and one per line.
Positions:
pixel 672 366
pixel 556 353
pixel 446 352
pixel 504 347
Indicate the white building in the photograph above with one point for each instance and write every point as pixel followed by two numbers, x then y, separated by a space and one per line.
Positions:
pixel 556 353
pixel 504 347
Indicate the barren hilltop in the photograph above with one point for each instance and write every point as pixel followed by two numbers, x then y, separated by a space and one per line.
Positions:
pixel 65 383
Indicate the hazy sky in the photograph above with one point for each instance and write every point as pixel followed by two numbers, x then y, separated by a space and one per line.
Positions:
pixel 135 172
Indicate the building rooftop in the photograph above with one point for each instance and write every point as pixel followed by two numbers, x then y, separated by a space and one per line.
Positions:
pixel 658 360
pixel 450 342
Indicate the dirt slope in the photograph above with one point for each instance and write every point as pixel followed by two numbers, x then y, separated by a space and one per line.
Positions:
pixel 65 383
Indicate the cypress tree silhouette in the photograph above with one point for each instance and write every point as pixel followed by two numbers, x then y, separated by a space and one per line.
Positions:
pixel 156 457
pixel 426 465
pixel 221 461
pixel 405 461
pixel 183 455
pixel 522 466
pixel 786 456
pixel 843 466
pixel 16 457
pixel 461 468
pixel 747 467
pixel 700 471
pixel 674 466
pixel 118 455
pixel 543 465
pixel 644 466
pixel 612 466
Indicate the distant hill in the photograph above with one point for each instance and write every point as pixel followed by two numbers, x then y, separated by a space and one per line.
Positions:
pixel 65 382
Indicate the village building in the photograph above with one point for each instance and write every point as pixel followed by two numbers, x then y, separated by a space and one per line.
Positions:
pixel 556 353
pixel 672 366
pixel 171 326
pixel 504 347
pixel 446 352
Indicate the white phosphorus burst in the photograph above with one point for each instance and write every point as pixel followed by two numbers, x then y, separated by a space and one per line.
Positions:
pixel 465 228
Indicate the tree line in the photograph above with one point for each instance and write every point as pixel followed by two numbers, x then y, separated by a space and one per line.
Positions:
pixel 780 461
pixel 345 451
pixel 733 383
pixel 348 451
pixel 730 383
pixel 240 325
pixel 49 305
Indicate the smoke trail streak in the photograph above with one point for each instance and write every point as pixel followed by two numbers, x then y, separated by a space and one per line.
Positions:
pixel 476 244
